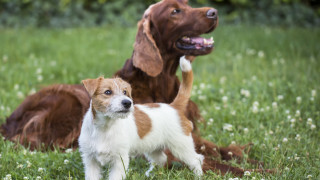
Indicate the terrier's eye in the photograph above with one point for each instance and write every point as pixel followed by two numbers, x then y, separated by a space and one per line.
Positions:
pixel 124 92
pixel 176 11
pixel 108 92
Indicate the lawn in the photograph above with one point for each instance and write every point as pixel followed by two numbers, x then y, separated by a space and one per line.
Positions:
pixel 260 85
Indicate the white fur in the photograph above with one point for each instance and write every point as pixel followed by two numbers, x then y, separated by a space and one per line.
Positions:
pixel 185 64
pixel 111 140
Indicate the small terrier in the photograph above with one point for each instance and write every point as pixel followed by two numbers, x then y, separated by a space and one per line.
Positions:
pixel 113 128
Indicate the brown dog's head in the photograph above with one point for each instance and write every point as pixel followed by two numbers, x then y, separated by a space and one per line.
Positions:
pixel 110 97
pixel 173 28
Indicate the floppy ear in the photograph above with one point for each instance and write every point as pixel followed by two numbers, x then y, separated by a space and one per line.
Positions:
pixel 91 85
pixel 146 55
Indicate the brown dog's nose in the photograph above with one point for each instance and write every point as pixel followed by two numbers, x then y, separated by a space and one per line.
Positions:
pixel 212 13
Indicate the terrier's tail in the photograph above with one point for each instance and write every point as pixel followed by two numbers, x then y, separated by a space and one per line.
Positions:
pixel 184 93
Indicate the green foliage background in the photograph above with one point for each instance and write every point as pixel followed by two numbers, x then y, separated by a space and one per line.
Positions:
pixel 70 13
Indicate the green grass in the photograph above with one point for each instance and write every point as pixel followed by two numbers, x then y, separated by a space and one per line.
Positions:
pixel 267 63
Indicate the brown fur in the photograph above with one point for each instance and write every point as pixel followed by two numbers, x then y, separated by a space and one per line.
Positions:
pixel 152 105
pixel 143 122
pixel 151 73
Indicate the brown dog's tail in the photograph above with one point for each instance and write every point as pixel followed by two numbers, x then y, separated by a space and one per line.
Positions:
pixel 184 93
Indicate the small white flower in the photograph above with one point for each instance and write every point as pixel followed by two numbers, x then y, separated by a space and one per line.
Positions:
pixel 233 142
pixel 247 173
pixel 312 99
pixel 299 99
pixel 221 91
pixel 255 109
pixel 286 168
pixel 32 91
pixel 29 164
pixel 222 80
pixel 267 108
pixel 20 94
pixel 312 126
pixel 4 58
pixel 19 166
pixel 260 54
pixel 66 161
pixel 233 113
pixel 285 140
pixel 224 99
pixel 230 153
pixel 298 137
pixel 25 178
pixel 287 111
pixel 256 103
pixel 39 71
pixel 16 87
pixel 298 113
pixel 275 105
pixel 245 92
pixel 309 121
pixel 245 130
pixel 202 85
pixel 53 63
pixel 293 120
pixel 38 178
pixel 313 93
pixel 254 78
pixel 218 108
pixel 227 127
pixel 280 97
pixel 270 132
pixel 309 176
pixel 40 169
pixel 40 78
pixel 270 84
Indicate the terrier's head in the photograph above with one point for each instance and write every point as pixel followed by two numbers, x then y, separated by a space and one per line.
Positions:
pixel 110 97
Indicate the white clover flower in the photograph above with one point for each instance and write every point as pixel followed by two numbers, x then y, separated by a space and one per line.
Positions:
pixel 312 99
pixel 25 178
pixel 39 71
pixel 66 161
pixel 199 92
pixel 287 111
pixel 231 134
pixel 267 108
pixel 41 170
pixel 260 54
pixel 230 153
pixel 245 130
pixel 254 78
pixel 309 121
pixel 313 93
pixel 250 51
pixel 275 105
pixel 298 99
pixel 20 94
pixel 8 177
pixel 53 63
pixel 255 109
pixel 313 126
pixel 222 80
pixel 202 85
pixel 256 103
pixel 245 92
pixel 32 91
pixel 285 140
pixel 227 127
pixel 286 168
pixel 40 78
pixel 247 173
pixel 217 108
pixel 293 120
pixel 221 91
pixel 298 113
pixel 280 97
pixel 233 142
pixel 29 164
pixel 225 99
pixel 298 137
pixel 270 132
pixel 38 178
pixel 19 166
pixel 16 87
pixel 233 112
pixel 270 84
pixel 309 176
pixel 4 58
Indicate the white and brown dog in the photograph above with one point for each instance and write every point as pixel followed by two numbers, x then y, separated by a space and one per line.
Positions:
pixel 113 129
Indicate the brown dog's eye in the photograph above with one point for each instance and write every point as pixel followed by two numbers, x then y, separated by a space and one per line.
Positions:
pixel 108 92
pixel 124 92
pixel 176 11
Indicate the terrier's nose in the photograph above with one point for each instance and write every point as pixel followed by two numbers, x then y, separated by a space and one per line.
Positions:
pixel 126 103
pixel 212 13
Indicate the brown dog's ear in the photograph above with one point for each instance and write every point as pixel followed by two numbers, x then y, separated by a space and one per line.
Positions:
pixel 146 55
pixel 91 85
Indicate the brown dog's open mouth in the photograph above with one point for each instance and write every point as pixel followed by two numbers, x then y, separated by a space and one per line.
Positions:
pixel 194 43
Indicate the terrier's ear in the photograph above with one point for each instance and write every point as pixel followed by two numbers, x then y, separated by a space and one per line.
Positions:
pixel 91 85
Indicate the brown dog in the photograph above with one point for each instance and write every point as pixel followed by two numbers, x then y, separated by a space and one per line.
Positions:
pixel 168 30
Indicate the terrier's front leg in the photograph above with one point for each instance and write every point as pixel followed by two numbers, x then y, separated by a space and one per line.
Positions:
pixel 92 168
pixel 119 167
